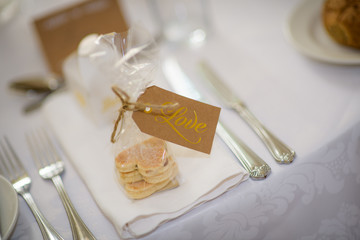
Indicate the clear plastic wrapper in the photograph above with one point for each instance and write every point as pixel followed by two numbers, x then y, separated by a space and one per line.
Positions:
pixel 113 71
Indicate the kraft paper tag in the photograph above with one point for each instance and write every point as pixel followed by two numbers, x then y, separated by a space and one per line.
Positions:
pixel 60 32
pixel 190 124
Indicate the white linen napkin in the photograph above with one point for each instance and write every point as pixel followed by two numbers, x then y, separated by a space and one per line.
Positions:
pixel 202 177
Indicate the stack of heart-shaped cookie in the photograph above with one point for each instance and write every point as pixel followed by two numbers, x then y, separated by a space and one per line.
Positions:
pixel 146 168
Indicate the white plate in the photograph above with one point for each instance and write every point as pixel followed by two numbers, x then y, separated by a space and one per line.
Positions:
pixel 305 31
pixel 8 208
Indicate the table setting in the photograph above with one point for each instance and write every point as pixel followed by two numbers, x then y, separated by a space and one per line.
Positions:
pixel 249 110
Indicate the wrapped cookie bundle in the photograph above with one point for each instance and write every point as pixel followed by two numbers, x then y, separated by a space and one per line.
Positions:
pixel 144 163
pixel 116 69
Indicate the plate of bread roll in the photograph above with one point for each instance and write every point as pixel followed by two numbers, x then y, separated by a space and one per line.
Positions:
pixel 326 30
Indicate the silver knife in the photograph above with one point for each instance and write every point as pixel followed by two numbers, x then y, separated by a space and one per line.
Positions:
pixel 181 84
pixel 280 151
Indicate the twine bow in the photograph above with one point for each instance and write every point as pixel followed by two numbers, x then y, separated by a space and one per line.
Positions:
pixel 126 105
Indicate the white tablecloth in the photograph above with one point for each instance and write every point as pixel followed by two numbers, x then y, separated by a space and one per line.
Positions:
pixel 312 106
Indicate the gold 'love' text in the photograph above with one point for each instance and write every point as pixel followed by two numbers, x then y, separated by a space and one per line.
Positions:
pixel 178 122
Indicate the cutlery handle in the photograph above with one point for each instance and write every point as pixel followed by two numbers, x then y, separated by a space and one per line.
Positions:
pixel 257 168
pixel 47 231
pixel 280 151
pixel 78 227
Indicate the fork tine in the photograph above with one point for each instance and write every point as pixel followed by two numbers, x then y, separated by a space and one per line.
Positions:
pixel 32 143
pixel 38 149
pixel 51 150
pixel 42 149
pixel 15 167
pixel 4 159
pixel 52 145
pixel 4 170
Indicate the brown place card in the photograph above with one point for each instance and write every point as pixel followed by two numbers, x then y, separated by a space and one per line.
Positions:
pixel 190 124
pixel 60 32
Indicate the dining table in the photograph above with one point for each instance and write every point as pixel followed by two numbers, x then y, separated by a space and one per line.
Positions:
pixel 275 56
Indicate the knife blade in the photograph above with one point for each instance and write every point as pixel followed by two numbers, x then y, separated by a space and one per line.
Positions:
pixel 279 150
pixel 181 84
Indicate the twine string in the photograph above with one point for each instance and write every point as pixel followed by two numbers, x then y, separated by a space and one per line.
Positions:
pixel 126 105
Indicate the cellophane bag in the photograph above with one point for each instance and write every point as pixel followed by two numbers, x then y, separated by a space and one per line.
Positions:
pixel 126 64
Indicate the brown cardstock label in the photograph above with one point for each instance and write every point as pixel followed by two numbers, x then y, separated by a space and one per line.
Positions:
pixel 60 32
pixel 190 124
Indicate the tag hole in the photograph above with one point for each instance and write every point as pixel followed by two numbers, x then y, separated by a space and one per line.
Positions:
pixel 148 110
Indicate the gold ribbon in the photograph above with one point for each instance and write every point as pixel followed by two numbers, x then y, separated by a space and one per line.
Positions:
pixel 126 105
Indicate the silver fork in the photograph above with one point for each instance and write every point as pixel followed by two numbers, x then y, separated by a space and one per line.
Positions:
pixel 15 172
pixel 50 165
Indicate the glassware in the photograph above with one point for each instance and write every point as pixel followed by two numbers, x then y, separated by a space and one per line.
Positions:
pixel 182 20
